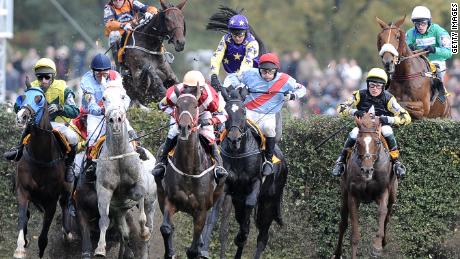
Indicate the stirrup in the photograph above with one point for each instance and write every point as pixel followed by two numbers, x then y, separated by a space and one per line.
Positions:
pixel 159 170
pixel 399 169
pixel 338 169
pixel 267 164
pixel 220 172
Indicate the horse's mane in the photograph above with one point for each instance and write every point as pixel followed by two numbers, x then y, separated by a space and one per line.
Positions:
pixel 218 22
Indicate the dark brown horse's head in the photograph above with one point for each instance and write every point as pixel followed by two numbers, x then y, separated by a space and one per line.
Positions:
pixel 368 143
pixel 236 122
pixel 31 108
pixel 391 43
pixel 174 23
pixel 186 112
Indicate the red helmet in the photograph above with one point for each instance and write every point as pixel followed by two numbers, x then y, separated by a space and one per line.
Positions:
pixel 269 61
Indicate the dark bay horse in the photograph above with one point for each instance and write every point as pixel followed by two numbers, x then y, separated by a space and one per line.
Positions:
pixel 146 58
pixel 188 184
pixel 40 172
pixel 368 177
pixel 243 159
pixel 411 78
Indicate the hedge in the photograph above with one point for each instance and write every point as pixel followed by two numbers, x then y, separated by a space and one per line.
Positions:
pixel 423 221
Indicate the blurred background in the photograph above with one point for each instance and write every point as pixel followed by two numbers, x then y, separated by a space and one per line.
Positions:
pixel 328 45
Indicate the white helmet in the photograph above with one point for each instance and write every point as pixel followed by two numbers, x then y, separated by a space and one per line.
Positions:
pixel 421 12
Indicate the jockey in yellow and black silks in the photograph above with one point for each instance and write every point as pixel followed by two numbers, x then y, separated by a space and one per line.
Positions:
pixel 386 107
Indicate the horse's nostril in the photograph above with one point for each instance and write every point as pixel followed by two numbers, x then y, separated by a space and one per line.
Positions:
pixel 111 120
pixel 119 119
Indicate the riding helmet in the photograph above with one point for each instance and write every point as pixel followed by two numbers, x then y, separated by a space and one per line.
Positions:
pixel 269 61
pixel 45 66
pixel 101 62
pixel 191 78
pixel 377 75
pixel 421 13
pixel 238 23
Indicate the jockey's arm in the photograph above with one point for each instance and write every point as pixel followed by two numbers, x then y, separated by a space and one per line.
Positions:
pixel 217 57
pixel 401 116
pixel 219 115
pixel 297 89
pixel 443 45
pixel 252 51
pixel 349 107
pixel 140 7
pixel 165 106
pixel 70 109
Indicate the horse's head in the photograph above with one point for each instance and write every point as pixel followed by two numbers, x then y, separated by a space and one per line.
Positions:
pixel 368 143
pixel 31 106
pixel 173 24
pixel 236 122
pixel 116 103
pixel 186 111
pixel 391 43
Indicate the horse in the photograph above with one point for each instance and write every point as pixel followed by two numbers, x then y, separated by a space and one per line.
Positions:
pixel 188 184
pixel 146 58
pixel 411 78
pixel 40 171
pixel 119 184
pixel 243 159
pixel 368 177
pixel 87 207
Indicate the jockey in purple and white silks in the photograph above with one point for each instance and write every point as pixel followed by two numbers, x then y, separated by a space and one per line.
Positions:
pixel 268 90
pixel 237 51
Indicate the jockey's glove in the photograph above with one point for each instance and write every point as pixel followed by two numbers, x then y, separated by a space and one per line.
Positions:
pixel 430 49
pixel 127 27
pixel 386 120
pixel 53 108
pixel 289 97
pixel 204 122
pixel 359 113
pixel 148 16
pixel 215 82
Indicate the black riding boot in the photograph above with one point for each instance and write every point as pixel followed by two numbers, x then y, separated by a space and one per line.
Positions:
pixel 15 153
pixel 267 167
pixel 219 171
pixel 340 163
pixel 69 174
pixel 442 94
pixel 160 167
pixel 399 168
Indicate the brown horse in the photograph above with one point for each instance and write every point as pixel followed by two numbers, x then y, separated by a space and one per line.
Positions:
pixel 411 78
pixel 188 184
pixel 145 57
pixel 40 172
pixel 368 177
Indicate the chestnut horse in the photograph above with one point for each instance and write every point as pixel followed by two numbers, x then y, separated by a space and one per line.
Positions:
pixel 368 177
pixel 411 78
pixel 145 57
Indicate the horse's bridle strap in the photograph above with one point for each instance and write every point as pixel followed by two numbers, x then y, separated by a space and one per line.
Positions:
pixel 190 175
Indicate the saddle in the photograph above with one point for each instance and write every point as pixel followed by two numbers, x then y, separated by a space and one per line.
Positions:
pixel 61 139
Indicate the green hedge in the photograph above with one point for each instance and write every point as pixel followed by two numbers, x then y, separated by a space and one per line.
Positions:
pixel 423 220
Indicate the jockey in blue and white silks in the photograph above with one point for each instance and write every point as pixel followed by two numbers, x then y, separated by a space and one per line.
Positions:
pixel 268 90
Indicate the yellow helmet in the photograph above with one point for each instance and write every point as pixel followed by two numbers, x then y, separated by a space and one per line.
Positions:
pixel 45 66
pixel 193 77
pixel 377 73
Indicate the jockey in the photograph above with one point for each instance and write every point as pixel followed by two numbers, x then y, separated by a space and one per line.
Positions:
pixel 120 16
pixel 211 114
pixel 61 108
pixel 432 38
pixel 386 107
pixel 238 50
pixel 266 88
pixel 93 84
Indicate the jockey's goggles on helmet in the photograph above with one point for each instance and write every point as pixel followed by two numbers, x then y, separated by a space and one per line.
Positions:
pixel 374 84
pixel 40 77
pixel 101 72
pixel 237 33
pixel 270 71
pixel 420 22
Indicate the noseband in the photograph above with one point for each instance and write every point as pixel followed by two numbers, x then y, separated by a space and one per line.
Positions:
pixel 187 113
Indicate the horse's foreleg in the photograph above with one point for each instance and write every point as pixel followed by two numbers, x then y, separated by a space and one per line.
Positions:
pixel 124 251
pixel 20 251
pixel 47 219
pixel 86 246
pixel 223 234
pixel 342 225
pixel 243 217
pixel 167 228
pixel 199 219
pixel 66 217
pixel 391 201
pixel 104 196
pixel 353 204
pixel 211 219
pixel 382 214
pixel 145 231
pixel 264 217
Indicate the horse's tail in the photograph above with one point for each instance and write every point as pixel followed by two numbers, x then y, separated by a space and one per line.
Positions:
pixel 218 22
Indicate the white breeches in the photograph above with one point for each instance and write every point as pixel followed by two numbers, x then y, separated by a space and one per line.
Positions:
pixel 266 122
pixel 206 131
pixel 114 37
pixel 441 71
pixel 386 131
pixel 69 134
pixel 96 128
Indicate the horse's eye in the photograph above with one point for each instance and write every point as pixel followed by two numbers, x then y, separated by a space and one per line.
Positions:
pixel 103 98
pixel 122 97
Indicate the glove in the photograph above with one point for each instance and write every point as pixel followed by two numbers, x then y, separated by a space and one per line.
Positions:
pixel 127 27
pixel 53 108
pixel 289 97
pixel 204 122
pixel 384 120
pixel 430 49
pixel 215 82
pixel 359 113
pixel 412 47
pixel 148 16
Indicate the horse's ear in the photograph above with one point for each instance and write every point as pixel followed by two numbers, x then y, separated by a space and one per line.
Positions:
pixel 176 91
pixel 243 92
pixel 223 91
pixel 400 21
pixel 163 4
pixel 198 90
pixel 181 5
pixel 28 85
pixel 38 99
pixel 381 23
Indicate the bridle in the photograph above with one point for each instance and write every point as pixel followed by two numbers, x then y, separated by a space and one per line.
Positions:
pixel 186 113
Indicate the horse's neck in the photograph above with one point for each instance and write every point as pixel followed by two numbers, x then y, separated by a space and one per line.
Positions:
pixel 150 39
pixel 410 65
pixel 187 153
pixel 42 144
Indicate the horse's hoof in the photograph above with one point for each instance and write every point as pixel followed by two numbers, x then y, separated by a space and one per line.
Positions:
pixel 20 253
pixel 67 237
pixel 336 257
pixel 99 252
pixel 376 252
pixel 145 234
pixel 86 255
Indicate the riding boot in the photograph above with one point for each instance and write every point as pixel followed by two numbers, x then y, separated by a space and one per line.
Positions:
pixel 219 170
pixel 267 167
pixel 160 167
pixel 115 56
pixel 442 93
pixel 398 167
pixel 15 153
pixel 340 163
pixel 69 165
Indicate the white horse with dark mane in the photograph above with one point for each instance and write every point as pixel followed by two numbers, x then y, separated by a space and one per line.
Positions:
pixel 120 182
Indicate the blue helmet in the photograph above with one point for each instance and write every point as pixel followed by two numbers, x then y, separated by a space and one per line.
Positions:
pixel 101 62
pixel 238 22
